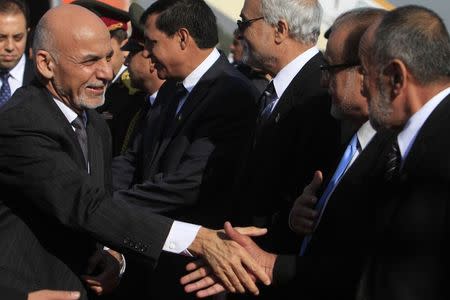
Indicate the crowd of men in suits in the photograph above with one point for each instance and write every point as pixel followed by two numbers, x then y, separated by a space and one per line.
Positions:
pixel 120 146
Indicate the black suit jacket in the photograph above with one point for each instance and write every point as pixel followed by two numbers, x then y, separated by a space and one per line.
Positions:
pixel 184 166
pixel 28 74
pixel 332 264
pixel 55 211
pixel 299 137
pixel 410 260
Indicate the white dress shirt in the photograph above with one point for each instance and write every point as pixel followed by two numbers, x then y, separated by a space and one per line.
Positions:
pixel 121 70
pixel 15 79
pixel 192 79
pixel 409 133
pixel 282 80
pixel 182 234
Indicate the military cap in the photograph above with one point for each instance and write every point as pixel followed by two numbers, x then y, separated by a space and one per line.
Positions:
pixel 136 40
pixel 113 18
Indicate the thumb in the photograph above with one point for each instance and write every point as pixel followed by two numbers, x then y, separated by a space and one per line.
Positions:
pixel 315 183
pixel 233 234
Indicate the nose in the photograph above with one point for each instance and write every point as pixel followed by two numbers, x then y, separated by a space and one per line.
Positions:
pixel 105 70
pixel 9 45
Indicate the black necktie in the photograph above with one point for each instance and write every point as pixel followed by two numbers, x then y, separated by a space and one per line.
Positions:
pixel 392 167
pixel 267 101
pixel 180 93
pixel 80 131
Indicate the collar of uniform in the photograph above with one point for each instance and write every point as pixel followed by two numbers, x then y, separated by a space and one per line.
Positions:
pixel 122 69
pixel 365 134
pixel 151 98
pixel 69 113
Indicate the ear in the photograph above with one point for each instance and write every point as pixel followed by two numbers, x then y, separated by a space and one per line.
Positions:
pixel 281 31
pixel 395 73
pixel 184 36
pixel 44 64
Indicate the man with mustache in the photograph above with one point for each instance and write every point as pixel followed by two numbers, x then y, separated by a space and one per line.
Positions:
pixel 55 166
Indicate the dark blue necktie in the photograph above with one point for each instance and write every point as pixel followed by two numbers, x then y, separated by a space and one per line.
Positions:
pixel 5 91
pixel 80 132
pixel 343 164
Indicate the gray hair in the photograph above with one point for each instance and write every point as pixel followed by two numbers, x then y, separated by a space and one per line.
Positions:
pixel 418 37
pixel 303 16
pixel 359 19
pixel 44 40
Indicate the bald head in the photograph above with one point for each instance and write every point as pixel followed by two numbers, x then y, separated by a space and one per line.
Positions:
pixel 62 24
pixel 72 52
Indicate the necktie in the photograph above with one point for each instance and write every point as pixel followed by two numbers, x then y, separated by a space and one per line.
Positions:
pixel 267 101
pixel 5 91
pixel 393 162
pixel 80 132
pixel 340 170
pixel 180 95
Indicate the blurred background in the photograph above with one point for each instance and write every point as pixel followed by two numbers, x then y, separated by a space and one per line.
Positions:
pixel 227 11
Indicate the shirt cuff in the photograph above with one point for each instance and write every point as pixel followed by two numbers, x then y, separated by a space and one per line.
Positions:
pixel 123 263
pixel 180 237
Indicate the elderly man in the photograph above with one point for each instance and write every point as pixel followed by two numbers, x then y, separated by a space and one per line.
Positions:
pixel 325 271
pixel 405 63
pixel 54 167
pixel 16 69
pixel 295 133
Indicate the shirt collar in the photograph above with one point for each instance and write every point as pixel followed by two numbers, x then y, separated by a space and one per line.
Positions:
pixel 192 79
pixel 408 135
pixel 151 98
pixel 365 134
pixel 282 80
pixel 18 71
pixel 68 112
pixel 122 69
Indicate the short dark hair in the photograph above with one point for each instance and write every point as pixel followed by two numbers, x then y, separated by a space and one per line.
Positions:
pixel 15 7
pixel 194 15
pixel 119 34
pixel 358 19
pixel 418 37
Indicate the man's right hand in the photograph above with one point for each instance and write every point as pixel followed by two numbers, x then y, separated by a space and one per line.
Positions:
pixel 229 261
pixel 202 280
pixel 303 217
pixel 53 295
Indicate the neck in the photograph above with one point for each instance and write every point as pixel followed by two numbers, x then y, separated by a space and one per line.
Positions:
pixel 196 57
pixel 286 53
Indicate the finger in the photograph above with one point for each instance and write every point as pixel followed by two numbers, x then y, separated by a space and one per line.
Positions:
pixel 56 295
pixel 251 231
pixel 97 289
pixel 195 275
pixel 234 234
pixel 212 290
pixel 315 183
pixel 306 213
pixel 91 281
pixel 225 281
pixel 195 265
pixel 200 284
pixel 245 279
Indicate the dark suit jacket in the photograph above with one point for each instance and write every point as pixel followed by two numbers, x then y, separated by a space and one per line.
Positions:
pixel 11 294
pixel 55 211
pixel 411 258
pixel 331 266
pixel 185 165
pixel 28 74
pixel 299 137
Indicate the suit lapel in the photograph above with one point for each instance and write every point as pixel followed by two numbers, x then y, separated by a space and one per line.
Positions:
pixel 195 97
pixel 415 158
pixel 95 150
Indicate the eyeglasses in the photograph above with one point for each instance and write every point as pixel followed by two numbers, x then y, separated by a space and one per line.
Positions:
pixel 243 24
pixel 327 69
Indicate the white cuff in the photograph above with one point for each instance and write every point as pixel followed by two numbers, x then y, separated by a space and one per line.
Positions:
pixel 180 237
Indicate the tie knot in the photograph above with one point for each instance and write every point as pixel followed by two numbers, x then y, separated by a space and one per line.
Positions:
pixel 270 89
pixel 78 123
pixel 180 90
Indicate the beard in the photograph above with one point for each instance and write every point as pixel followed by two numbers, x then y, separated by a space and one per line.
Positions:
pixel 82 101
pixel 379 108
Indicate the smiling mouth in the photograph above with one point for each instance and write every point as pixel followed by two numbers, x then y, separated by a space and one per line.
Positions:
pixel 97 90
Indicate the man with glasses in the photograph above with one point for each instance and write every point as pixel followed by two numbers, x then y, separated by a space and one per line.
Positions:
pixel 295 133
pixel 330 263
